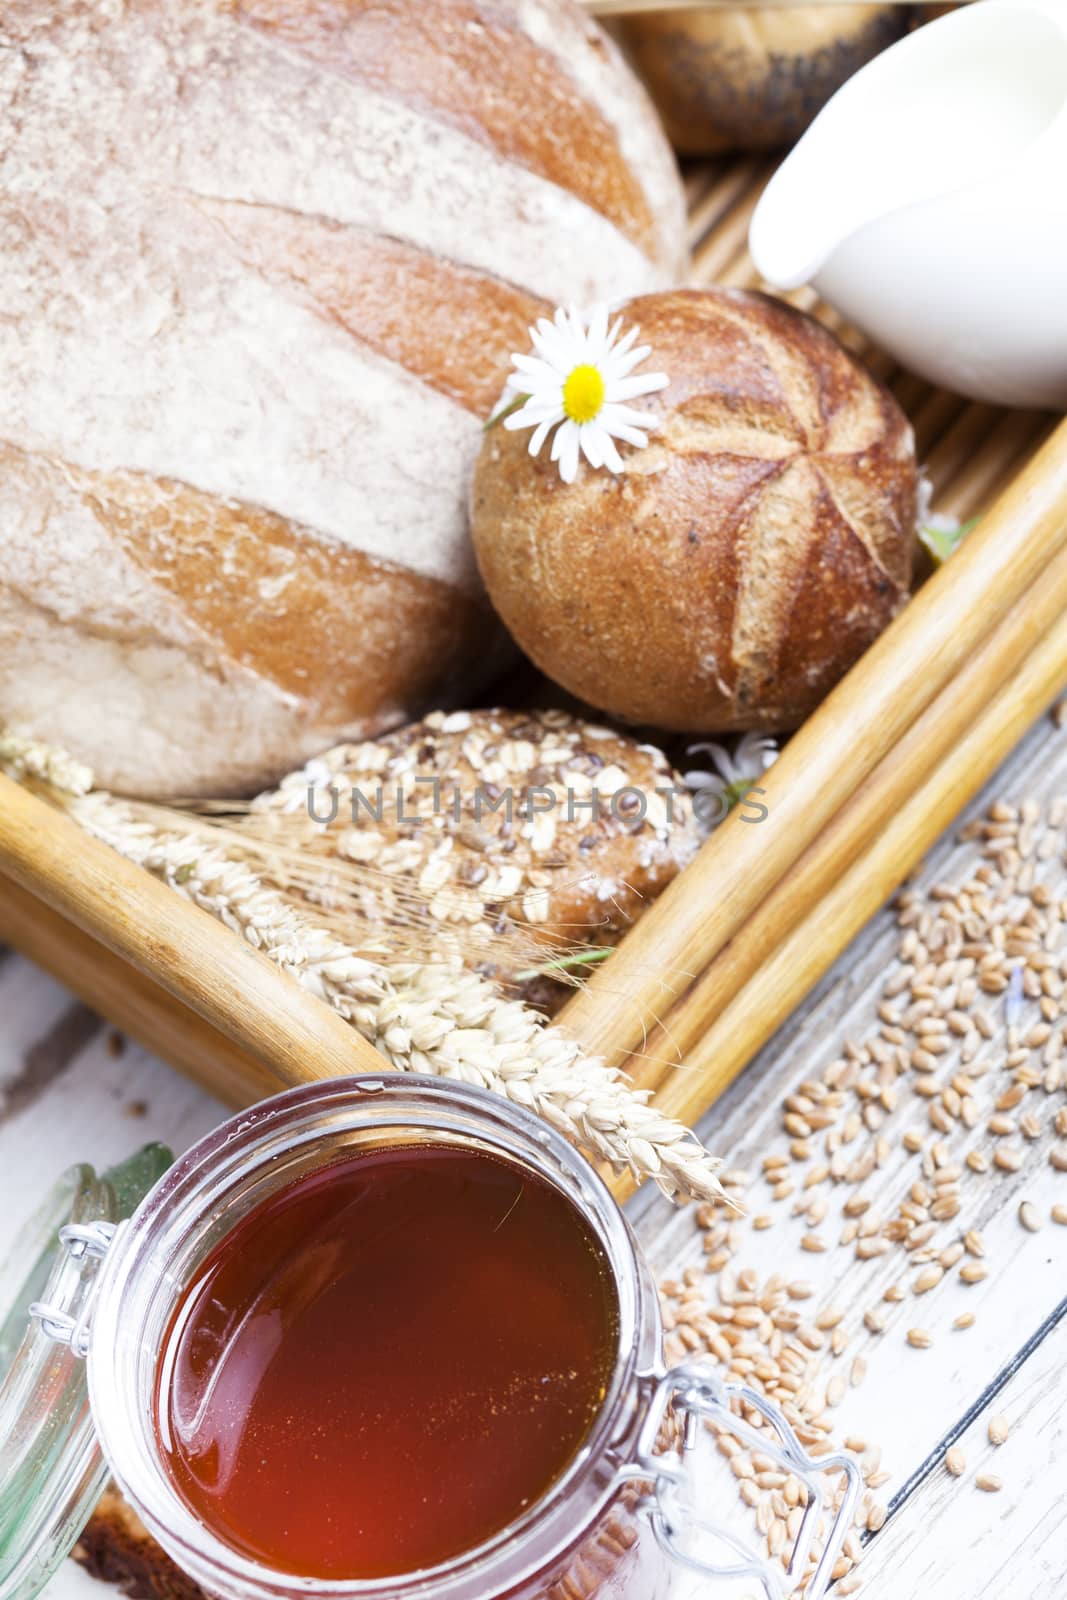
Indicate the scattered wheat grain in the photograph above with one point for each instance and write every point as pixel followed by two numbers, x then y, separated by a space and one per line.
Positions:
pixel 998 1430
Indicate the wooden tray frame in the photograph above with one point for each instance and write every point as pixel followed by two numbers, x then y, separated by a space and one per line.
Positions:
pixel 189 990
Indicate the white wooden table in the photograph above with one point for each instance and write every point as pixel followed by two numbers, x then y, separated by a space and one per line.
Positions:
pixel 67 1093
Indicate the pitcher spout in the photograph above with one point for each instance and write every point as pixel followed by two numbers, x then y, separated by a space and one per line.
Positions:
pixel 960 102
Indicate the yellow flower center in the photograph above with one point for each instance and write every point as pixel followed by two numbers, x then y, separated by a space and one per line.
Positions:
pixel 583 394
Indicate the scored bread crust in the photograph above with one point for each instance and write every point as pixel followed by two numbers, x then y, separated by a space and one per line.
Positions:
pixel 124 644
pixel 742 561
pixel 265 261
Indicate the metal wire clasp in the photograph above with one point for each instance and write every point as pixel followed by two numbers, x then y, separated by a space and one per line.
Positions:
pixel 82 1242
pixel 695 1392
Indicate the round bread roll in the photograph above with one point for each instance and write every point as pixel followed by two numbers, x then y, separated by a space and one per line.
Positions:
pixel 264 263
pixel 538 816
pixel 753 78
pixel 742 561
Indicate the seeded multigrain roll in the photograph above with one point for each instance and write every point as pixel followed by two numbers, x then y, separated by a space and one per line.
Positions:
pixel 552 821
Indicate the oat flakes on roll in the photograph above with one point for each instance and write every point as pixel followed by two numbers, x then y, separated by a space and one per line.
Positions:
pixel 728 573
pixel 264 262
pixel 547 859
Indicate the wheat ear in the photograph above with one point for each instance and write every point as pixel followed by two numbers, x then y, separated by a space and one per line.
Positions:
pixel 437 1018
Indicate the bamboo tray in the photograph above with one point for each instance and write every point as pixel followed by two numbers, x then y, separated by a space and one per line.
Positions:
pixel 712 969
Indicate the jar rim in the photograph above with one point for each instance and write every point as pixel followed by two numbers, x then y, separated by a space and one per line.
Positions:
pixel 247 1145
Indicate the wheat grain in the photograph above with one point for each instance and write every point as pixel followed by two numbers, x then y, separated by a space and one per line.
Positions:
pixel 988 1482
pixel 26 759
pixel 956 1461
pixel 998 1430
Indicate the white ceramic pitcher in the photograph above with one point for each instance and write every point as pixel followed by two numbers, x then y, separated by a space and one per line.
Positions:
pixel 928 203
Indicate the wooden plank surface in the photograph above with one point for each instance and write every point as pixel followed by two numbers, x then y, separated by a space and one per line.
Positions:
pixel 941 1538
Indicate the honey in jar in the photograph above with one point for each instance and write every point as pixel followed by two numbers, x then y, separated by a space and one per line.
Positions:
pixel 386 1362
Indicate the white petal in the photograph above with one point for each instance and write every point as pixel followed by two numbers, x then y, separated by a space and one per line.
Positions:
pixel 533 367
pixel 612 458
pixel 537 409
pixel 633 388
pixel 612 414
pixel 556 345
pixel 565 451
pixel 570 323
pixel 531 416
pixel 613 335
pixel 597 336
pixel 703 781
pixel 545 397
pixel 621 363
pixel 627 343
pixel 592 439
pixel 553 346
pixel 720 756
pixel 539 435
pixel 519 419
pixel 634 436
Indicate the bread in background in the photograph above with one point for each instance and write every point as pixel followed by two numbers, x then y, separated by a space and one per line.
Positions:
pixel 752 77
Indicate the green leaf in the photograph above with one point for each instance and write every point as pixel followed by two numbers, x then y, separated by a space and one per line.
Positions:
pixel 942 544
pixel 583 958
pixel 505 411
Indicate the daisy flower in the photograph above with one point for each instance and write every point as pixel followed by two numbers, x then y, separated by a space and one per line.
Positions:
pixel 579 381
pixel 715 793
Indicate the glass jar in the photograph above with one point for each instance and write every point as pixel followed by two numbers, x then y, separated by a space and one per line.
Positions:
pixel 619 1524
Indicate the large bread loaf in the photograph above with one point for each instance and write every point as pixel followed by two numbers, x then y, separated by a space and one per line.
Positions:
pixel 264 262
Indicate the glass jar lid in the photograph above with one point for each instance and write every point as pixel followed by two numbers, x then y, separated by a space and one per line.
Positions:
pixel 52 1472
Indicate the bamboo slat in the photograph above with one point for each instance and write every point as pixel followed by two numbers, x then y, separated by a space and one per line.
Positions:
pixel 930 642
pixel 856 836
pixel 132 1002
pixel 180 948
